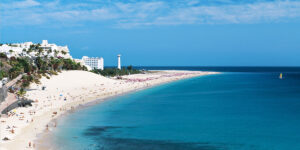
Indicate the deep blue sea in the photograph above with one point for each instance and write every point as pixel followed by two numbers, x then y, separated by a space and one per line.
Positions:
pixel 235 110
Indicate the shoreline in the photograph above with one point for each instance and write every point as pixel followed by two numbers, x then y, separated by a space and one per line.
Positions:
pixel 43 140
pixel 34 131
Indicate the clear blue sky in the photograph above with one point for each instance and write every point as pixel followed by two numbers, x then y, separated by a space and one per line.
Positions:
pixel 160 32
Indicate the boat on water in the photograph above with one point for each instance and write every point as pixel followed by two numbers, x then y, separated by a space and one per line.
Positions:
pixel 280 76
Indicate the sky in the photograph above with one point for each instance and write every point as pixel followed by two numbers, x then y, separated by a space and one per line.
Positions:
pixel 161 32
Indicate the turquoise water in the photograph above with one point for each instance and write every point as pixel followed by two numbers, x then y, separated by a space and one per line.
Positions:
pixel 234 111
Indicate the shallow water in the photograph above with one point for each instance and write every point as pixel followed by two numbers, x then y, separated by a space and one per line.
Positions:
pixel 234 111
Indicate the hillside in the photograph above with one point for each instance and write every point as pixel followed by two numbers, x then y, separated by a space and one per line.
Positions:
pixel 33 68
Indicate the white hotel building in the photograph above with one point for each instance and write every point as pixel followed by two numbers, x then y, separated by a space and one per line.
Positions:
pixel 93 62
pixel 17 49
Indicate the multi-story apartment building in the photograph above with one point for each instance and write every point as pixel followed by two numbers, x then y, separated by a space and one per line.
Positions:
pixel 93 62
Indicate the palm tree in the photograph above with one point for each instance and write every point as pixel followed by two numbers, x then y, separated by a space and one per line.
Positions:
pixel 55 53
pixel 39 63
pixel 59 64
pixel 23 52
pixel 2 55
pixel 40 50
pixel 63 52
pixel 49 51
pixel 14 72
pixel 37 46
pixel 29 51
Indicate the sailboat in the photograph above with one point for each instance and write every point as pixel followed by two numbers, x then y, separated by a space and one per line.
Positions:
pixel 280 76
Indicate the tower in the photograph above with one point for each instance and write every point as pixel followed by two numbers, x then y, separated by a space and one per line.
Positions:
pixel 119 61
pixel 44 42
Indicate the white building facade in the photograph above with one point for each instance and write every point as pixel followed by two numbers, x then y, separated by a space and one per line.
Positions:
pixel 21 49
pixel 93 62
pixel 119 61
pixel 55 50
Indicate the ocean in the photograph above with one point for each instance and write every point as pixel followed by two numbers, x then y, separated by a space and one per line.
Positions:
pixel 239 109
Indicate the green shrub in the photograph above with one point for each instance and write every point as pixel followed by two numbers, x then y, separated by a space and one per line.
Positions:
pixel 3 74
pixel 116 72
pixel 53 72
pixel 36 81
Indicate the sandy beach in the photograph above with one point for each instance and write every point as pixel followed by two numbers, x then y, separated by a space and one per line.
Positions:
pixel 65 92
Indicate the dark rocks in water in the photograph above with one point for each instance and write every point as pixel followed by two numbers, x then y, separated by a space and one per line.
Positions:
pixel 99 130
pixel 5 139
pixel 104 141
pixel 96 131
pixel 110 143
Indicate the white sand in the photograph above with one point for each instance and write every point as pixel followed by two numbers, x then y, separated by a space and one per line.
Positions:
pixel 78 87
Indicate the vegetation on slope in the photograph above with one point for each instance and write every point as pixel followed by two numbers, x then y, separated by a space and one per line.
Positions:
pixel 33 68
